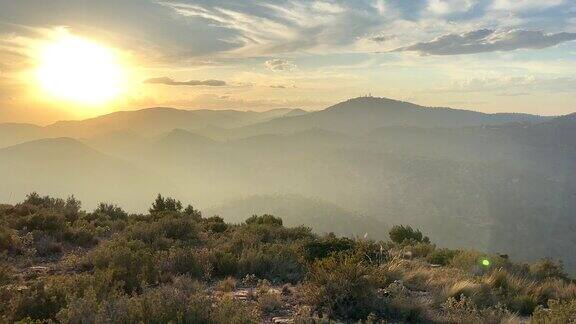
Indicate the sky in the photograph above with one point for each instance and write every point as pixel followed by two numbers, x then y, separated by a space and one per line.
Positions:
pixel 486 55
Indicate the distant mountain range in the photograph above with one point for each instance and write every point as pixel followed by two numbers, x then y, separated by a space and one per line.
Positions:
pixel 498 182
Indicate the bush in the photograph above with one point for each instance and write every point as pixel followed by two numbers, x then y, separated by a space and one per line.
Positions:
pixel 232 311
pixel 405 234
pixel 179 261
pixel 37 302
pixel 341 287
pixel 275 262
pixel 226 285
pixel 478 293
pixel 557 313
pixel 264 220
pixel 130 262
pixel 215 224
pixel 328 245
pixel 546 268
pixel 112 211
pixel 223 264
pixel 269 302
pixel 442 257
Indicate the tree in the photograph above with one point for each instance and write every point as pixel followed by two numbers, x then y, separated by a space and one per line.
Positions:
pixel 162 204
pixel 192 212
pixel 405 233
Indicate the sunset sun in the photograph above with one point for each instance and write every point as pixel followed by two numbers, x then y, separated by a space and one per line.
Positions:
pixel 79 71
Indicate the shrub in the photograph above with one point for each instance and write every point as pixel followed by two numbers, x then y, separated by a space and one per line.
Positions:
pixel 269 302
pixel 464 310
pixel 193 213
pixel 546 268
pixel 37 302
pixel 275 262
pixel 478 293
pixel 226 285
pixel 557 313
pixel 5 273
pixel 403 234
pixel 7 240
pixel 130 262
pixel 523 305
pixel 232 311
pixel 112 211
pixel 264 220
pixel 330 244
pixel 341 287
pixel 181 302
pixel 179 261
pixel 442 257
pixel 223 264
pixel 215 224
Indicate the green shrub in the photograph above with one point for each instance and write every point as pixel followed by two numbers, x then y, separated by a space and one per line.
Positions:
pixel 275 262
pixel 403 234
pixel 223 264
pixel 130 262
pixel 341 287
pixel 215 224
pixel 328 245
pixel 264 220
pixel 37 302
pixel 113 212
pixel 442 257
pixel 232 311
pixel 179 261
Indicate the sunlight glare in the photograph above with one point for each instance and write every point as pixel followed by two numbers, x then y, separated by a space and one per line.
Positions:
pixel 80 71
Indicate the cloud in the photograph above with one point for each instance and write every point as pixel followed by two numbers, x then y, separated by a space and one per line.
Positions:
pixel 172 82
pixel 447 7
pixel 520 5
pixel 381 38
pixel 512 85
pixel 280 65
pixel 488 40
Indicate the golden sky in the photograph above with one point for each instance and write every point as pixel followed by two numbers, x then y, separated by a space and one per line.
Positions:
pixel 487 55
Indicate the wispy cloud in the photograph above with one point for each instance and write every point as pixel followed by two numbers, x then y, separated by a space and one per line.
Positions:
pixel 487 40
pixel 172 82
pixel 278 65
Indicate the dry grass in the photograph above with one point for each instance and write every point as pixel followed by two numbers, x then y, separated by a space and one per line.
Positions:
pixel 269 302
pixel 226 285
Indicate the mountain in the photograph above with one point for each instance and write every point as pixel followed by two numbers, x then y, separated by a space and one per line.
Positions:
pixel 145 123
pixel 65 167
pixel 16 133
pixel 361 115
pixel 471 179
pixel 155 121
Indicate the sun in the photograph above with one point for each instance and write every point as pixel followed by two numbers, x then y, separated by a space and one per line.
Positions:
pixel 80 71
